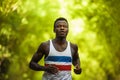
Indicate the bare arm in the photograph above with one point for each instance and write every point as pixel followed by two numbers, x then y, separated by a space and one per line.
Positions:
pixel 76 60
pixel 37 57
pixel 42 51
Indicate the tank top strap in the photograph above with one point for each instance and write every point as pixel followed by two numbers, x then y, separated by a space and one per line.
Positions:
pixel 68 46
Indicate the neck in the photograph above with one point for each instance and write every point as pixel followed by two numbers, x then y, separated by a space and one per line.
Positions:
pixel 60 40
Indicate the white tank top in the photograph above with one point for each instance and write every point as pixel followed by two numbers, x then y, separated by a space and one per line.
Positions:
pixel 62 60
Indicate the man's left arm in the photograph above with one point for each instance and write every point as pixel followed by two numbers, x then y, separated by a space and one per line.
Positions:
pixel 76 60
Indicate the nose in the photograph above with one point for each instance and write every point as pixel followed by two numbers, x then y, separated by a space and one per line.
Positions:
pixel 62 27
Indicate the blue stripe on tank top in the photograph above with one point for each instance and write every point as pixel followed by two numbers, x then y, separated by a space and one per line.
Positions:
pixel 58 58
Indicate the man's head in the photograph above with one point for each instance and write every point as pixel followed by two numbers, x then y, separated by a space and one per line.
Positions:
pixel 61 27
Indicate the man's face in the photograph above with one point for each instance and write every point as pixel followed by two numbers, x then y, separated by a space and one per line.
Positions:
pixel 61 28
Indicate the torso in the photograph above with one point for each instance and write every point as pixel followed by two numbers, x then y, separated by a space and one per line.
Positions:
pixel 60 48
pixel 60 57
pixel 65 75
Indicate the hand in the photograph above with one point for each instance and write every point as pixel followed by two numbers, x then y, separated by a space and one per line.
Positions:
pixel 78 70
pixel 52 69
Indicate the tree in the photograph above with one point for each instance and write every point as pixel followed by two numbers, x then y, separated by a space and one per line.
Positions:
pixel 94 26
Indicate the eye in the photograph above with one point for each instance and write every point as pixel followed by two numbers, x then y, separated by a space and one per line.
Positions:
pixel 59 26
pixel 65 26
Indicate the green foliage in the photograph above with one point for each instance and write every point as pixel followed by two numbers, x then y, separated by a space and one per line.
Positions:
pixel 94 26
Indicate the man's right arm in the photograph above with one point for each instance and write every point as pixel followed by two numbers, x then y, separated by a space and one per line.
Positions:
pixel 36 57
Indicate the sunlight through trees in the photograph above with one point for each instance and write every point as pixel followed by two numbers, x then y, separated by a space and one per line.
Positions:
pixel 94 26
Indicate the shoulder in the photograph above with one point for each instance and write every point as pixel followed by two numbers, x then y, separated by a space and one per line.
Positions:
pixel 43 46
pixel 74 46
pixel 74 50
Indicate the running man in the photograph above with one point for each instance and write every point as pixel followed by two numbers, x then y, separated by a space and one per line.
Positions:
pixel 59 55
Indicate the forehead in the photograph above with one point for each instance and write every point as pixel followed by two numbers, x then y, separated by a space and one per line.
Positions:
pixel 61 22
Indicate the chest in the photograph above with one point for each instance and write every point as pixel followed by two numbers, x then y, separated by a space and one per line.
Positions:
pixel 60 48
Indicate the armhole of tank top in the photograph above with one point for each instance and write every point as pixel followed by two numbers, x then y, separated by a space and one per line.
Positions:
pixel 49 48
pixel 70 48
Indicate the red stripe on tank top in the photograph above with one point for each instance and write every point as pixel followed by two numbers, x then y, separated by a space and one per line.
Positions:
pixel 61 67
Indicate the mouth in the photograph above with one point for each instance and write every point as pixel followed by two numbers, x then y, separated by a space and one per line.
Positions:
pixel 62 32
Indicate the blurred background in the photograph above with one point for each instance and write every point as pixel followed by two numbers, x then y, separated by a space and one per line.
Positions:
pixel 94 27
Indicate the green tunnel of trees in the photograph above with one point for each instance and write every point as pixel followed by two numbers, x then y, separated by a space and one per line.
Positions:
pixel 94 26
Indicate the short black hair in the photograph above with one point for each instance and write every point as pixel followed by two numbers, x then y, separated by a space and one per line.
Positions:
pixel 60 18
